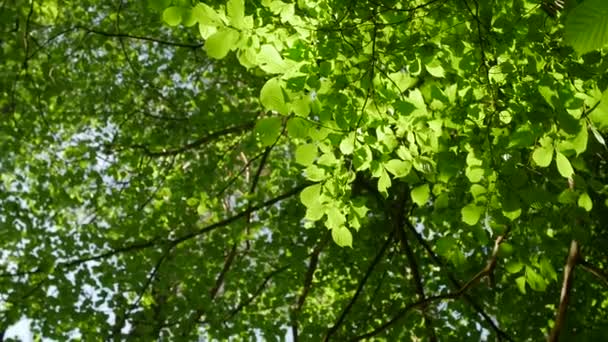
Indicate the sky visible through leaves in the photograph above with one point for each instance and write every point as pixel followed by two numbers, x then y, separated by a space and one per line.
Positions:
pixel 329 170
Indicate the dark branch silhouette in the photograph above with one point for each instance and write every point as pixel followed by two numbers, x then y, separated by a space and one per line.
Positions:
pixel 194 144
pixel 136 37
pixel 362 282
pixel 486 271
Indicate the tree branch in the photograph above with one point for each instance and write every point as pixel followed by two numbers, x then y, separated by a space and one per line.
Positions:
pixel 399 218
pixel 362 282
pixel 259 291
pixel 598 273
pixel 131 36
pixel 312 266
pixel 196 143
pixel 573 256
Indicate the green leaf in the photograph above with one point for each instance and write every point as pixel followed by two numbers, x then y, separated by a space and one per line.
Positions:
pixel 579 143
pixel 347 145
pixel 505 249
pixel 272 98
pixel 206 15
pixel 446 245
pixel 335 218
pixel 220 43
pixel 342 237
pixel 315 173
pixel 543 155
pixel 420 194
pixel 306 154
pixel 270 60
pixel 598 136
pixel 514 266
pixel 599 116
pixel 236 12
pixel 362 158
pixel 584 201
pixel 172 15
pixel 159 5
pixel 563 165
pixel 587 26
pixel 521 284
pixel 268 130
pixel 471 214
pixel 523 137
pixel 298 128
pixel 546 269
pixel 435 69
pixel 536 282
pixel 399 168
pixel 311 195
pixel 188 17
pixel 384 182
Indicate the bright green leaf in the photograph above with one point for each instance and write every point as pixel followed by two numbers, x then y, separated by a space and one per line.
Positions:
pixel 342 236
pixel 514 266
pixel 471 214
pixel 563 165
pixel 399 168
pixel 206 15
pixel 435 69
pixel 347 145
pixel 306 154
pixel 297 128
pixel 311 195
pixel 420 194
pixel 384 182
pixel 270 60
pixel 584 201
pixel 521 284
pixel 335 218
pixel 220 43
pixel 236 12
pixel 543 155
pixel 172 15
pixel 272 97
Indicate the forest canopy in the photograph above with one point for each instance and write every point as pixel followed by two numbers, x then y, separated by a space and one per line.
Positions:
pixel 330 170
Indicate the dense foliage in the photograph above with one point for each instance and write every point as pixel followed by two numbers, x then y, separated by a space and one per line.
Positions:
pixel 315 170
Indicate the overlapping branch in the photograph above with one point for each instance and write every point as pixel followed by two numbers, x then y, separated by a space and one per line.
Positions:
pixel 485 272
pixel 137 37
pixel 194 144
pixel 312 266
pixel 332 330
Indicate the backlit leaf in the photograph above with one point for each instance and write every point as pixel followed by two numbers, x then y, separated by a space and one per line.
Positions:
pixel 471 214
pixel 172 15
pixel 399 168
pixel 421 194
pixel 563 165
pixel 584 201
pixel 542 155
pixel 272 97
pixel 342 236
pixel 220 43
pixel 306 154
